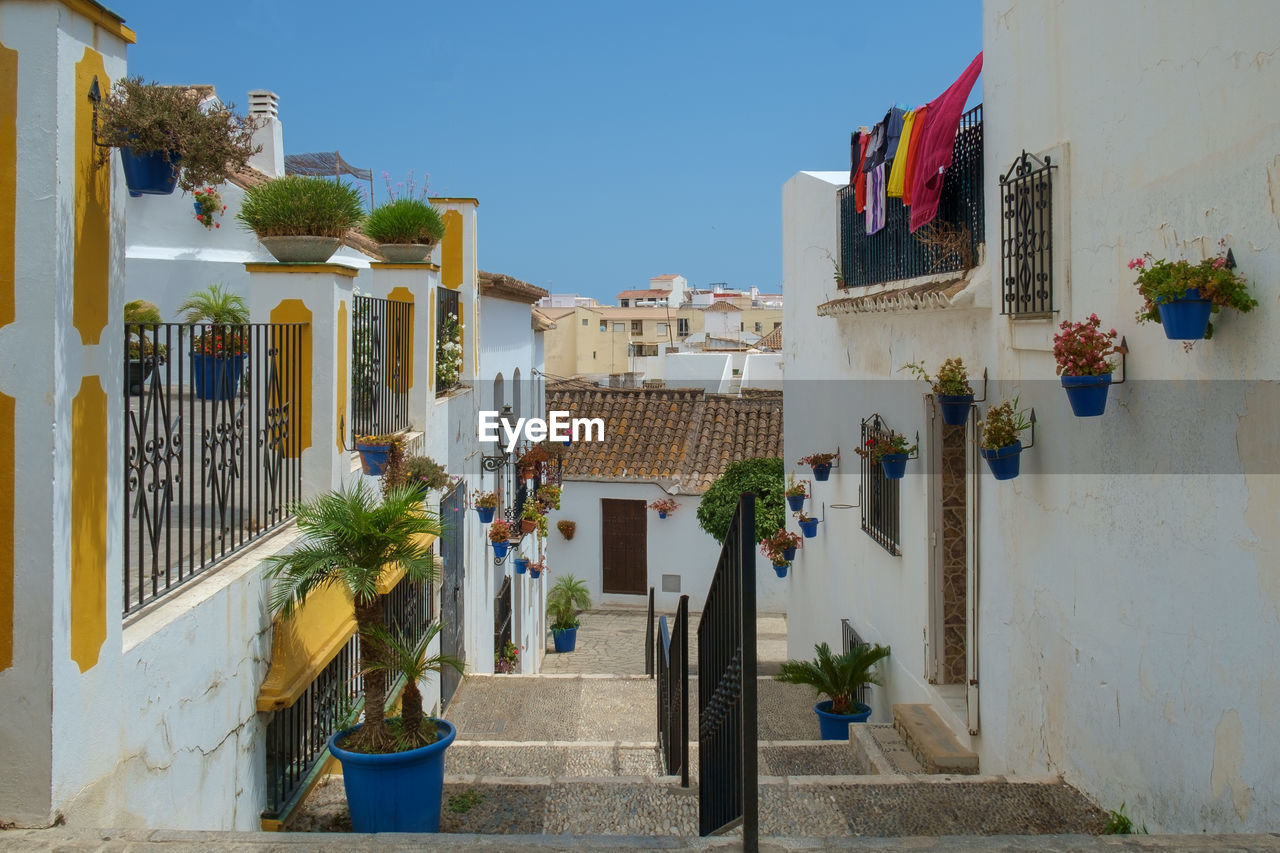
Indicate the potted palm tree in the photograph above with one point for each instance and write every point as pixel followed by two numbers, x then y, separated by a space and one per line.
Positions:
pixel 218 352
pixel 301 220
pixel 568 597
pixel 838 677
pixel 393 770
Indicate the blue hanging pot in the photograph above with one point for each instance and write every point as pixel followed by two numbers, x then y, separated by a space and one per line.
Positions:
pixel 955 408
pixel 781 569
pixel 1087 394
pixel 485 513
pixel 152 173
pixel 796 502
pixel 894 465
pixel 822 472
pixel 809 528
pixel 522 564
pixel 500 549
pixel 1185 318
pixel 789 554
pixel 1004 461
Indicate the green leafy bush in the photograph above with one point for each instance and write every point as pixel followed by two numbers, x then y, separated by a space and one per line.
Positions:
pixel 763 477
pixel 405 220
pixel 294 206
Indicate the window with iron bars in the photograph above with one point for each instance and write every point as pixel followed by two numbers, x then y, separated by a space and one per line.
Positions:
pixel 1026 237
pixel 879 502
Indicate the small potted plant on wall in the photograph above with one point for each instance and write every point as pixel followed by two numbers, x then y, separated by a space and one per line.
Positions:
pixel 218 352
pixel 421 473
pixel 950 387
pixel 301 220
pixel 664 507
pixel 374 450
pixel 1000 445
pixel 500 538
pixel 537 567
pixel 820 463
pixel 780 548
pixel 531 517
pixel 405 229
pixel 506 659
pixel 838 677
pixel 548 497
pixel 1082 350
pixel 568 597
pixel 168 138
pixel 567 528
pixel 808 525
pixel 795 494
pixel 1181 296
pixel 485 504
pixel 890 452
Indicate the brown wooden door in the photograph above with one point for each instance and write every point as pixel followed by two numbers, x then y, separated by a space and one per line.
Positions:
pixel 624 558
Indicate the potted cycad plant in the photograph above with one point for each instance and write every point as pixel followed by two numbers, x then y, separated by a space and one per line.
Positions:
pixel 393 770
pixel 405 229
pixel 568 597
pixel 950 387
pixel 1081 351
pixel 1000 445
pixel 301 220
pixel 218 352
pixel 1182 296
pixel 838 677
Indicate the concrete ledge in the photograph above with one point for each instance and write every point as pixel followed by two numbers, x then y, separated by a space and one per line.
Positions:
pixel 932 743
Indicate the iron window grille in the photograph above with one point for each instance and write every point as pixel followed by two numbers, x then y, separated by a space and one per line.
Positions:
pixel 1026 237
pixel 446 306
pixel 380 356
pixel 879 502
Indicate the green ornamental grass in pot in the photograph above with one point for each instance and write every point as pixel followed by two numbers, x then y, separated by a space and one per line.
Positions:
pixel 299 219
pixel 568 597
pixel 839 677
pixel 405 229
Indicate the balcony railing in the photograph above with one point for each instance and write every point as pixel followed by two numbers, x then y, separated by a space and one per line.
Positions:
pixel 380 358
pixel 948 244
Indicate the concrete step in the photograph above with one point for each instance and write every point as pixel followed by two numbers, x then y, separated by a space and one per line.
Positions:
pixel 931 741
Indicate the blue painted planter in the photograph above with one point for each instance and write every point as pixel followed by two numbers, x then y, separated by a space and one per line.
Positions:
pixel 216 377
pixel 485 513
pixel 152 173
pixel 1186 319
pixel 566 640
pixel 894 465
pixel 796 502
pixel 955 408
pixel 809 528
pixel 822 472
pixel 1003 462
pixel 661 514
pixel 500 549
pixel 535 573
pixel 836 726
pixel 788 554
pixel 522 565
pixel 373 457
pixel 1087 394
pixel 396 792
pixel 781 569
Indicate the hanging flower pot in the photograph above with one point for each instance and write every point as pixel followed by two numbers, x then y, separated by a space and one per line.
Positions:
pixel 789 554
pixel 1003 462
pixel 1185 318
pixel 373 451
pixel 1087 394
pixel 528 525
pixel 664 507
pixel 796 502
pixel 822 472
pixel 1183 296
pixel 951 389
pixel 781 569
pixel 1083 352
pixel 809 526
pixel 567 528
pixel 535 570
pixel 500 549
pixel 894 465
pixel 522 564
pixel 955 408
pixel 485 513
pixel 1001 446
pixel 150 173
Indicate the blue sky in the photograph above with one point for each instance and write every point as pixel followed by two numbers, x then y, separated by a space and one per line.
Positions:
pixel 607 143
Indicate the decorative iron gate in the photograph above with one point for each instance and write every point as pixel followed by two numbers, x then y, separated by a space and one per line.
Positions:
pixel 452 547
pixel 380 357
pixel 728 772
pixel 673 693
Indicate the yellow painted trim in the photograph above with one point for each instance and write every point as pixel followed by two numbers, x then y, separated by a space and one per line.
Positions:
pixel 8 183
pixel 451 250
pixel 88 522
pixel 401 294
pixel 104 18
pixel 7 509
pixel 340 368
pixel 383 265
pixel 336 269
pixel 295 387
pixel 459 200
pixel 91 263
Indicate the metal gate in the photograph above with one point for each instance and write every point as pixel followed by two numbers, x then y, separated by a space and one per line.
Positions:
pixel 452 518
pixel 728 772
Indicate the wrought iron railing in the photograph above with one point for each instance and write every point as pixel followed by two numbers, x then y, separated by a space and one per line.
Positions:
pixel 1026 237
pixel 851 639
pixel 212 450
pixel 880 513
pixel 728 769
pixel 648 638
pixel 502 617
pixel 381 333
pixel 673 693
pixel 948 244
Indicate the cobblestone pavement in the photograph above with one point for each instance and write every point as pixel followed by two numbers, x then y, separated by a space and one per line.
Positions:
pixel 611 642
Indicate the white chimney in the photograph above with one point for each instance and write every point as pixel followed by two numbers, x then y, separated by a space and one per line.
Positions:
pixel 264 109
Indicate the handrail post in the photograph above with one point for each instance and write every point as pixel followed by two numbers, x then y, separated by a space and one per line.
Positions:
pixel 682 630
pixel 648 639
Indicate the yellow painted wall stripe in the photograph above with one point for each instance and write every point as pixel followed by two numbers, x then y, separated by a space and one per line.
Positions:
pixel 8 181
pixel 7 508
pixel 402 349
pixel 337 269
pixel 92 261
pixel 340 425
pixel 88 522
pixel 104 18
pixel 296 387
pixel 451 250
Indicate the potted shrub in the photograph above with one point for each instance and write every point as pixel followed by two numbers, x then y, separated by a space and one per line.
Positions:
pixel 780 548
pixel 405 229
pixel 951 388
pixel 1182 296
pixel 889 452
pixel 500 537
pixel 809 526
pixel 301 220
pixel 218 353
pixel 537 567
pixel 838 677
pixel 820 463
pixel 506 659
pixel 567 598
pixel 374 451
pixel 795 494
pixel 422 473
pixel 393 770
pixel 567 528
pixel 1082 350
pixel 485 504
pixel 1000 445
pixel 533 462
pixel 549 497
pixel 532 519
pixel 141 353
pixel 664 507
pixel 167 138
pixel 209 207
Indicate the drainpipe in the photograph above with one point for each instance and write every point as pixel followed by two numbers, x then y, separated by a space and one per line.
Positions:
pixel 972 593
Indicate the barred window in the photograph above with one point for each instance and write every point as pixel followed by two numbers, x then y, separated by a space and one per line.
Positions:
pixel 879 493
pixel 1026 237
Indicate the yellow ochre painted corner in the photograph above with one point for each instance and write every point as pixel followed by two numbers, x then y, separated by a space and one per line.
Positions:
pixel 399 353
pixel 451 250
pixel 474 202
pixel 295 386
pixel 8 183
pixel 103 18
pixel 91 265
pixel 340 368
pixel 385 265
pixel 89 453
pixel 7 509
pixel 335 269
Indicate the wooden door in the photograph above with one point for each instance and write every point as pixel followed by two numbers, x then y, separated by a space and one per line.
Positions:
pixel 624 559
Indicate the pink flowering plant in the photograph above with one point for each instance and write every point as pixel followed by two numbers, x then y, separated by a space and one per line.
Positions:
pixel 1082 349
pixel 817 460
pixel 1160 280
pixel 774 546
pixel 876 448
pixel 209 207
pixel 667 505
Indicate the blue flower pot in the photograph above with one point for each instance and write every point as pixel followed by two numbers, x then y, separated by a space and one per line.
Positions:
pixel 955 408
pixel 216 377
pixel 373 457
pixel 796 502
pixel 661 514
pixel 485 513
pixel 522 565
pixel 836 726
pixel 566 640
pixel 500 549
pixel 789 554
pixel 1087 394
pixel 1187 318
pixel 781 569
pixel 822 472
pixel 535 573
pixel 809 528
pixel 1003 462
pixel 894 465
pixel 398 791
pixel 152 173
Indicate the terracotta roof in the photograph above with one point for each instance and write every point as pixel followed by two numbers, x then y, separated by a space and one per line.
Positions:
pixel 541 322
pixel 773 340
pixel 555 313
pixel 512 289
pixel 249 177
pixel 668 277
pixel 722 307
pixel 933 295
pixel 644 294
pixel 681 438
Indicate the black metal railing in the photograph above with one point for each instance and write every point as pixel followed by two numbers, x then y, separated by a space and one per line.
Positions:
pixel 728 770
pixel 212 449
pixel 852 639
pixel 648 638
pixel 381 355
pixel 502 617
pixel 879 502
pixel 298 736
pixel 673 693
pixel 446 307
pixel 948 244
pixel 1026 237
